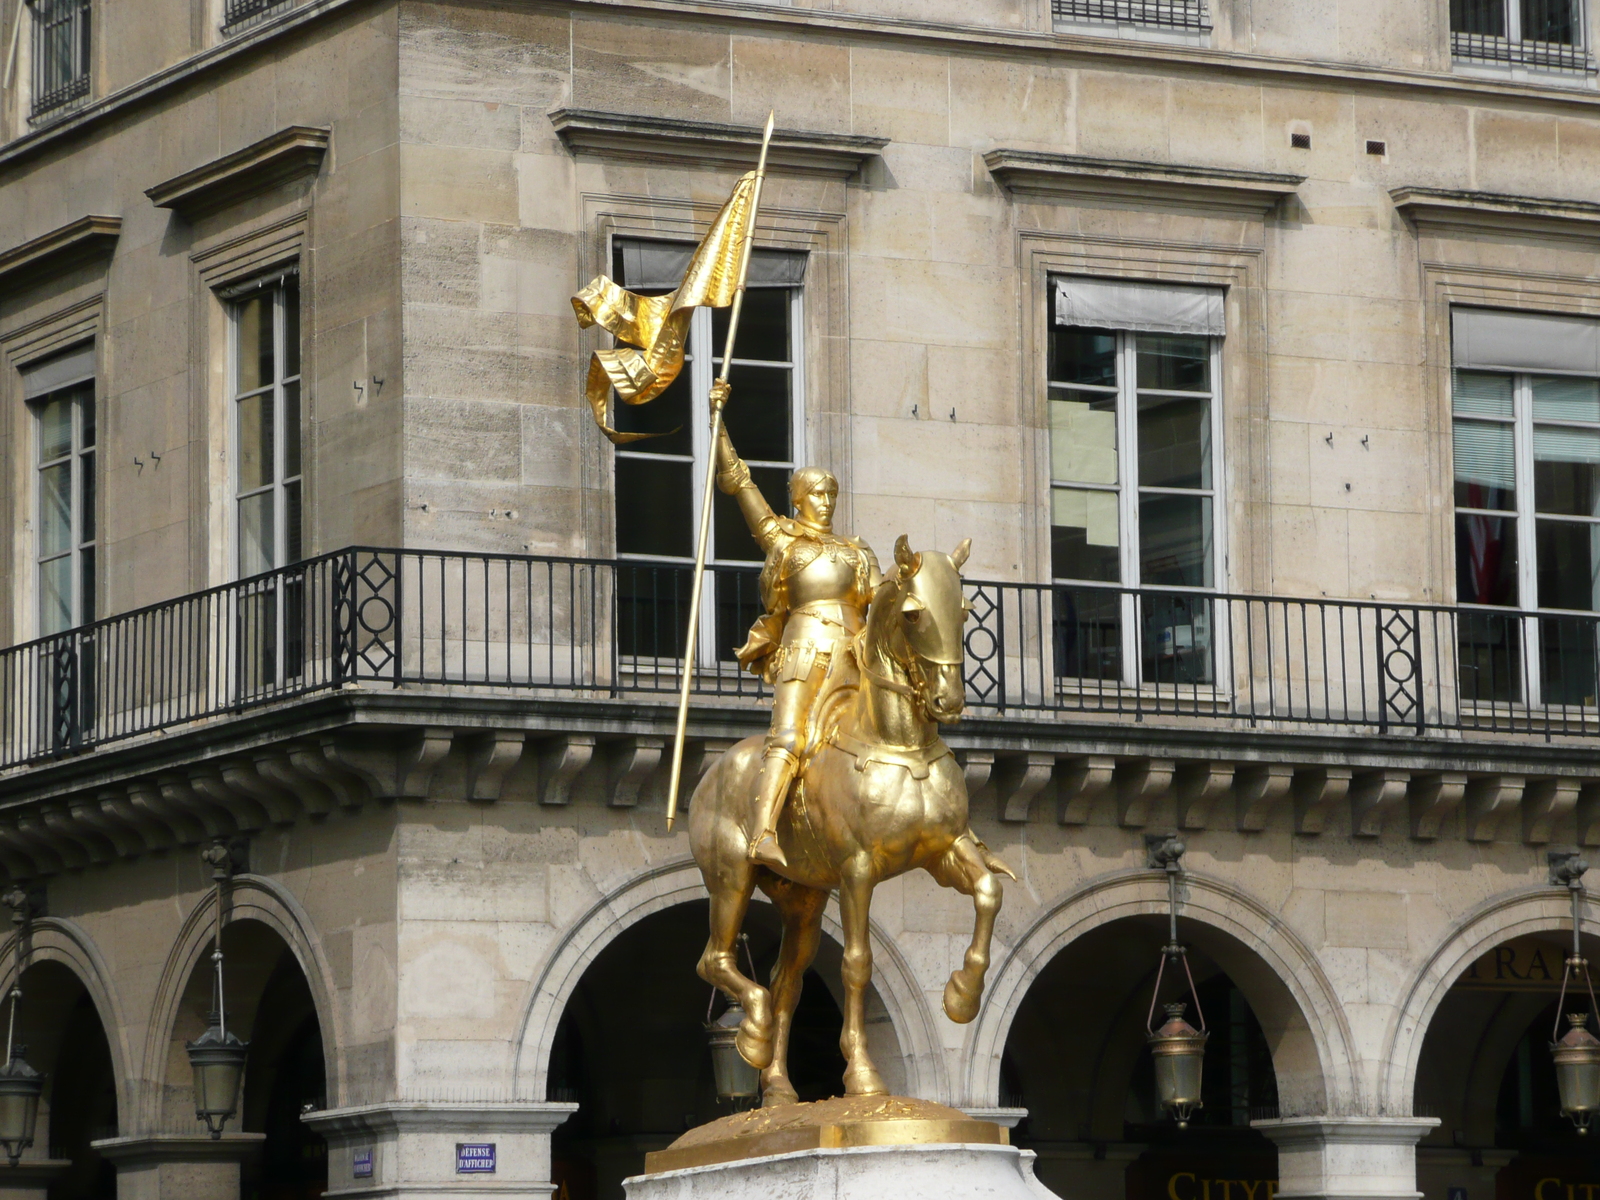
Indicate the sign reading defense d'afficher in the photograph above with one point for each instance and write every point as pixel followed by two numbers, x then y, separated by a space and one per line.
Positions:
pixel 474 1158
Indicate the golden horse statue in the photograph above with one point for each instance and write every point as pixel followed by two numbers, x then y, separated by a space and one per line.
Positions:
pixel 877 794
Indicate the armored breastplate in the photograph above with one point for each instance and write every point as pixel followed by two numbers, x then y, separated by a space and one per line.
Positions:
pixel 822 570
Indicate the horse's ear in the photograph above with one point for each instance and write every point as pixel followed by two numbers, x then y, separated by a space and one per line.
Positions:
pixel 905 558
pixel 959 554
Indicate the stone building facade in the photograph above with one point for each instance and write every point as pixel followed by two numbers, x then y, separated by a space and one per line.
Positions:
pixel 1255 345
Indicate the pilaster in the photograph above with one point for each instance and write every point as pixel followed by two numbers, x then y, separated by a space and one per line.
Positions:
pixel 1347 1158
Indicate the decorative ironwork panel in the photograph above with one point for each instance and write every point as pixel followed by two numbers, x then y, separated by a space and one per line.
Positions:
pixel 1170 14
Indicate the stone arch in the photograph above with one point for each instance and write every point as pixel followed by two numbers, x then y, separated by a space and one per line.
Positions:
pixel 250 898
pixel 677 883
pixel 1313 1049
pixel 58 940
pixel 1511 915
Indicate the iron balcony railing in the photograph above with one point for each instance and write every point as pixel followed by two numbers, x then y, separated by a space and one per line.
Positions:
pixel 1166 14
pixel 608 628
pixel 1544 56
pixel 237 12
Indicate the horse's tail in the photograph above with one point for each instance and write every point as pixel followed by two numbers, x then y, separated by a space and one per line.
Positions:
pixel 990 859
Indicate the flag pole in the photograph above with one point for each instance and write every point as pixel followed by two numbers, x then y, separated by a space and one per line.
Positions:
pixel 691 635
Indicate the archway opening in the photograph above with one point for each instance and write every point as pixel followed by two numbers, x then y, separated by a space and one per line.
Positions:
pixel 1485 1071
pixel 269 1005
pixel 631 1048
pixel 60 1028
pixel 1077 1059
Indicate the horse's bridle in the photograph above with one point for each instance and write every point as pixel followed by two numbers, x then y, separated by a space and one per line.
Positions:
pixel 918 688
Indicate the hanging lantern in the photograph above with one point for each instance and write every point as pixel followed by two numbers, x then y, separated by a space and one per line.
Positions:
pixel 1577 1053
pixel 20 1087
pixel 1177 1049
pixel 737 1081
pixel 217 1059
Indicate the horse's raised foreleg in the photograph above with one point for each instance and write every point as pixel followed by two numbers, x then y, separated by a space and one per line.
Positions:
pixel 801 909
pixel 730 892
pixel 964 868
pixel 861 1078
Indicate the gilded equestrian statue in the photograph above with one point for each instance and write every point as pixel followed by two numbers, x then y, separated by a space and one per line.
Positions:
pixel 853 784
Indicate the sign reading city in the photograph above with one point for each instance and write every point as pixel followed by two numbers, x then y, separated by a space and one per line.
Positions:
pixel 474 1158
pixel 361 1162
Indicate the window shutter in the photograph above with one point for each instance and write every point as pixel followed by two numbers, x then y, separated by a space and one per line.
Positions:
pixel 62 371
pixel 1492 339
pixel 647 265
pixel 1485 455
pixel 1139 307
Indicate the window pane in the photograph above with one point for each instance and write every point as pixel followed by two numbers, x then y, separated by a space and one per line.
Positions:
pixel 1175 364
pixel 1547 21
pixel 763 326
pixel 1486 559
pixel 55 427
pixel 733 540
pixel 55 509
pixel 86 584
pixel 1088 633
pixel 86 498
pixel 1176 639
pixel 1569 556
pixel 1174 442
pixel 1478 16
pixel 1486 465
pixel 1083 356
pixel 254 325
pixel 1490 655
pixel 291 430
pixel 86 414
pixel 1559 398
pixel 291 326
pixel 667 415
pixel 654 510
pixel 1084 535
pixel 1083 437
pixel 758 413
pixel 55 595
pixel 257 551
pixel 1175 541
pixel 255 441
pixel 1567 649
pixel 291 523
pixel 1566 471
pixel 1479 394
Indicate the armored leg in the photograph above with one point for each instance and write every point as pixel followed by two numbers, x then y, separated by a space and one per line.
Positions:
pixel 790 702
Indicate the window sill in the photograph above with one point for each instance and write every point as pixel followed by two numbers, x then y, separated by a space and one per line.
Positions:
pixel 1137 32
pixel 59 112
pixel 260 17
pixel 1572 79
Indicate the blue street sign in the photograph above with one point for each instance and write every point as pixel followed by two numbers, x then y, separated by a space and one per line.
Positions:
pixel 474 1158
pixel 361 1163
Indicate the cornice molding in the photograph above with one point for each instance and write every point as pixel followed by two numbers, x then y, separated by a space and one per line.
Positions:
pixel 1035 173
pixel 631 138
pixel 291 153
pixel 1441 210
pixel 49 253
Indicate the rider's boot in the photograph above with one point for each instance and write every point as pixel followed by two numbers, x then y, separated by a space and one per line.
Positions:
pixel 776 774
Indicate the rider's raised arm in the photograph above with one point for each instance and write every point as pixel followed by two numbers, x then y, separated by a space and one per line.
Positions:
pixel 733 477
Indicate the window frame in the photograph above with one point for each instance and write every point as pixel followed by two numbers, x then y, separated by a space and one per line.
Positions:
pixel 700 367
pixel 1513 49
pixel 84 600
pixel 234 299
pixel 77 85
pixel 1129 490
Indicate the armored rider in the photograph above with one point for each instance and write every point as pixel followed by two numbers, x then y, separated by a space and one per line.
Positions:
pixel 815 586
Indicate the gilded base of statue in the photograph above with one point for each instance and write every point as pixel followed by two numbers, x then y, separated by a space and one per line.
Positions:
pixel 825 1124
pixel 849 1148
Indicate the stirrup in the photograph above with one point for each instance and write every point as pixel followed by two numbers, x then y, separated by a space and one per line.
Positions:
pixel 767 855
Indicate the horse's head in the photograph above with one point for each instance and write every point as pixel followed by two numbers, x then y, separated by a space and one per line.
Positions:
pixel 931 614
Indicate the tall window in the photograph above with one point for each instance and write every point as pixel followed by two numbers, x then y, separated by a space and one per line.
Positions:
pixel 266 406
pixel 60 52
pixel 1527 495
pixel 1133 435
pixel 61 395
pixel 1536 33
pixel 659 481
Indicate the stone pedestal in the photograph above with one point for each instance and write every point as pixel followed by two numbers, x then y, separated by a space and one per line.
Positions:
pixel 179 1166
pixel 30 1179
pixel 855 1173
pixel 410 1149
pixel 1347 1158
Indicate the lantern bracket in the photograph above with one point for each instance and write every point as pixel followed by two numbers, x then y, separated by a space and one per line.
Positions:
pixel 26 902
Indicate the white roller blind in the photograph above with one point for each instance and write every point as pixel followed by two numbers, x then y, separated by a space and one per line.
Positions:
pixel 1492 339
pixel 652 265
pixel 72 367
pixel 1139 307
pixel 1485 454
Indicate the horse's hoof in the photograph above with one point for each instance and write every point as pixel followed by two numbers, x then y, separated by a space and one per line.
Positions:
pixel 961 1003
pixel 755 1050
pixel 866 1082
pixel 776 1093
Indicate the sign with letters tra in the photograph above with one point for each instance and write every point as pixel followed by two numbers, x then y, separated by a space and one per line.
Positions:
pixel 474 1158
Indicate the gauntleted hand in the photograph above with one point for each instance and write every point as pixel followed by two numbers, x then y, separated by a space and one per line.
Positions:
pixel 720 390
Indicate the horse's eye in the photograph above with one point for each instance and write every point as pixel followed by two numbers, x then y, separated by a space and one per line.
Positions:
pixel 914 615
